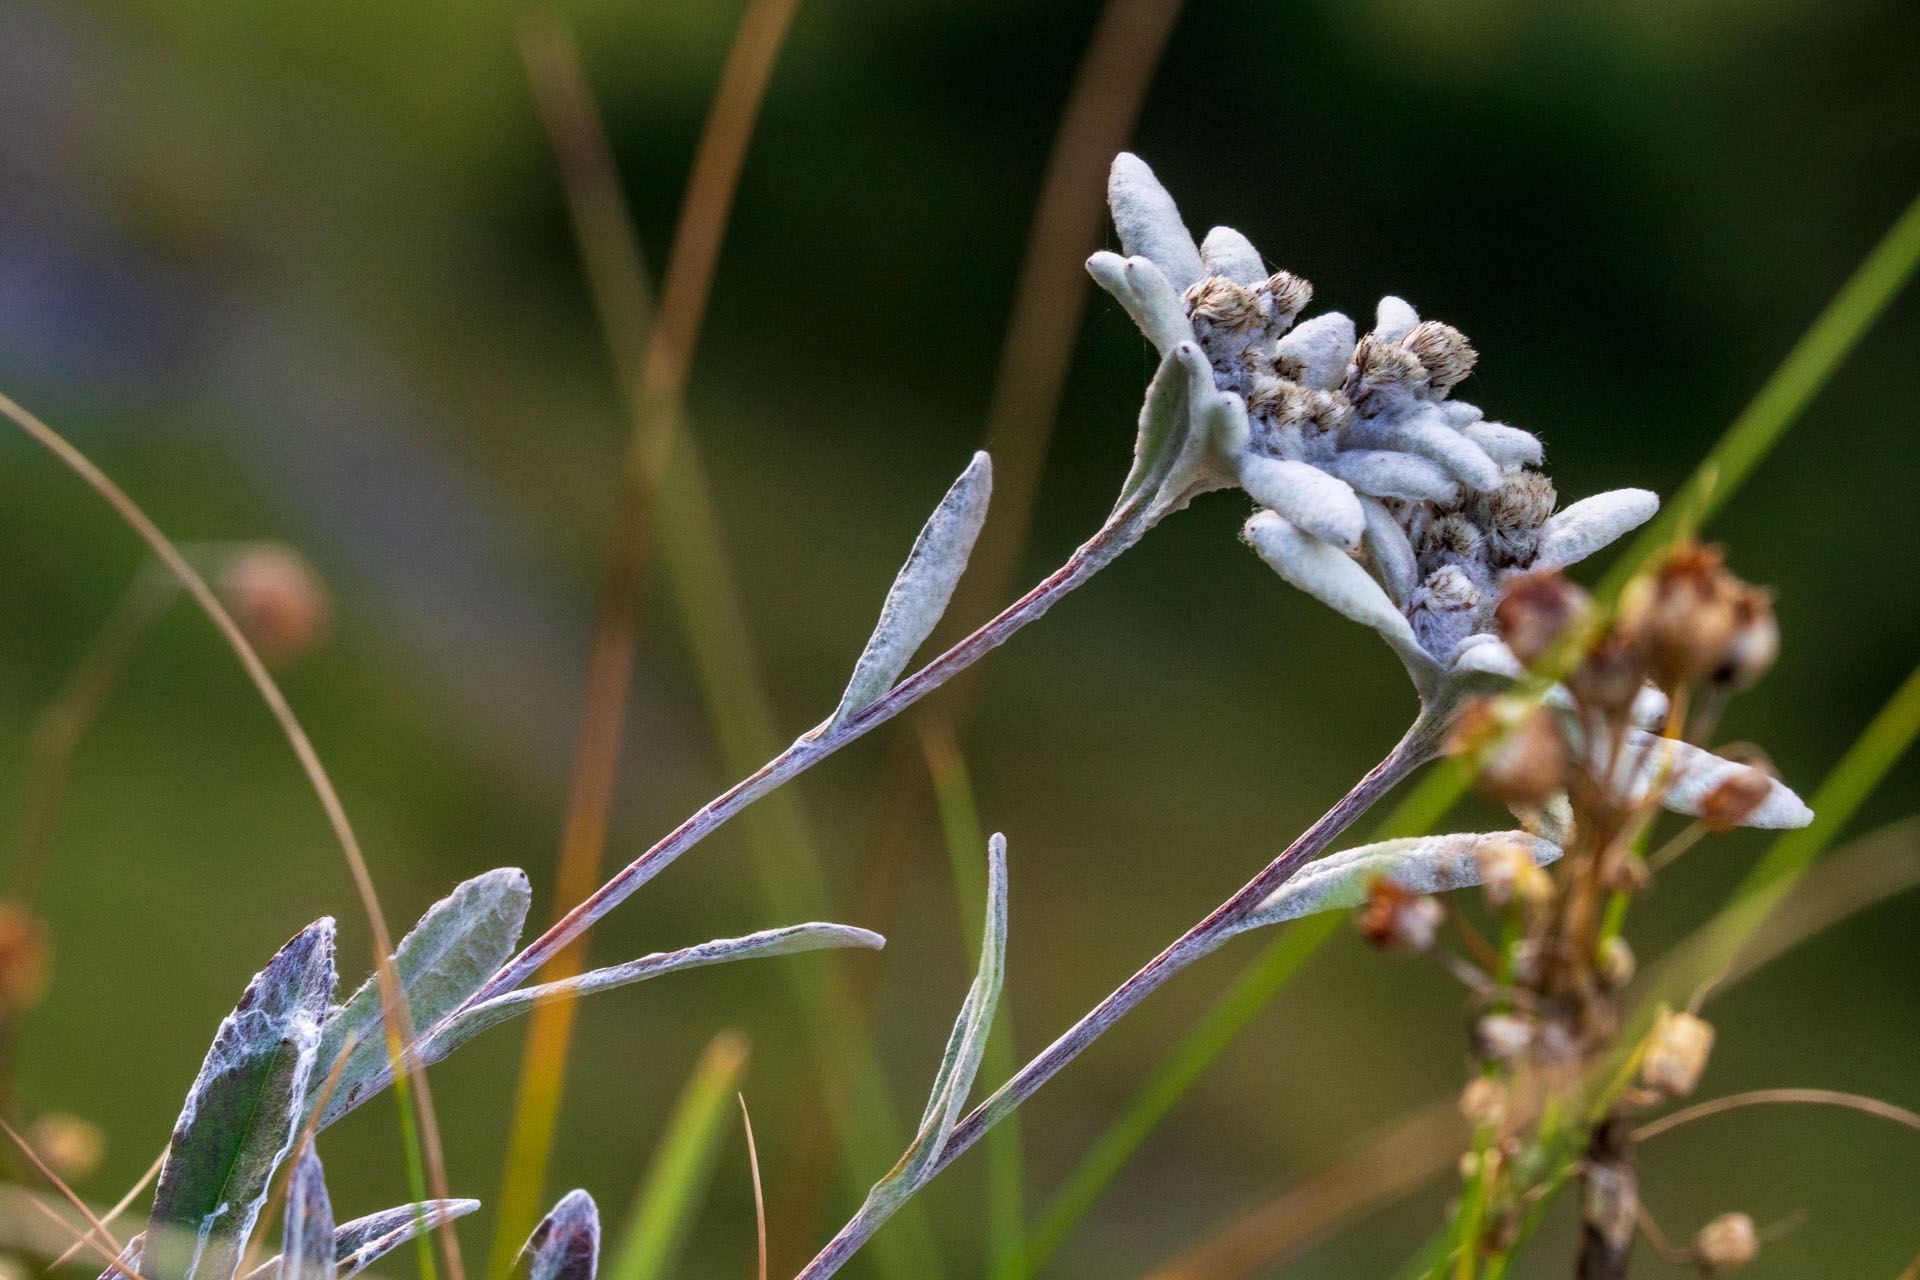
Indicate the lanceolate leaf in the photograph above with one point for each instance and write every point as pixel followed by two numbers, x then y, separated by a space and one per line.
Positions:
pixel 922 588
pixel 953 1083
pixel 357 1245
pixel 241 1115
pixel 307 1245
pixel 456 946
pixel 1424 864
pixel 452 1032
pixel 566 1244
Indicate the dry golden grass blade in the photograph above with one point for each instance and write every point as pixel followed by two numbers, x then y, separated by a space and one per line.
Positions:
pixel 1391 1162
pixel 84 1239
pixel 655 390
pixel 59 1184
pixel 1779 1097
pixel 1049 300
pixel 759 1196
pixel 393 998
pixel 120 1206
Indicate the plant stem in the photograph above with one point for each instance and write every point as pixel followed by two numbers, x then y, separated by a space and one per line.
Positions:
pixel 1095 554
pixel 1421 744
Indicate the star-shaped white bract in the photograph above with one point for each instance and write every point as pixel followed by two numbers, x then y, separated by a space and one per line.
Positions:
pixel 1398 506
pixel 1380 495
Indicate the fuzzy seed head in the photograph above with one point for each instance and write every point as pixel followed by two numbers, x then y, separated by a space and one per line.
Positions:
pixel 1287 295
pixel 1729 1241
pixel 1443 351
pixel 1220 302
pixel 1380 365
pixel 278 600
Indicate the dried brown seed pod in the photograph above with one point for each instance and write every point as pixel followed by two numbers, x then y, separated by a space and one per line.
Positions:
pixel 1676 1054
pixel 1727 806
pixel 1527 765
pixel 1755 642
pixel 1614 964
pixel 1729 1241
pixel 1611 674
pixel 1684 614
pixel 1485 1102
pixel 1397 919
pixel 1535 610
pixel 1509 874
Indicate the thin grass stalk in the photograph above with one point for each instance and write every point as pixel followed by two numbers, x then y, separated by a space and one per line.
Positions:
pixel 965 837
pixel 656 391
pixel 1049 303
pixel 393 999
pixel 1419 745
pixel 683 1162
pixel 701 575
pixel 64 722
pixel 1395 1160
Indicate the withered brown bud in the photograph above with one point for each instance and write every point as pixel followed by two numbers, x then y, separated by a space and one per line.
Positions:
pixel 1397 919
pixel 1614 964
pixel 1508 874
pixel 1727 1242
pixel 1485 1102
pixel 1730 802
pixel 1528 764
pixel 1755 642
pixel 72 1147
pixel 1535 610
pixel 24 956
pixel 1610 674
pixel 1443 351
pixel 1676 1054
pixel 1684 614
pixel 1223 303
pixel 1629 875
pixel 278 599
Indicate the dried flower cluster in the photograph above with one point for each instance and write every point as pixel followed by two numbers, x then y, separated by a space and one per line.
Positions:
pixel 1588 771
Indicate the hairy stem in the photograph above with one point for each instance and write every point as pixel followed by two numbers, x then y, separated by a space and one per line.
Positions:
pixel 1095 554
pixel 1421 744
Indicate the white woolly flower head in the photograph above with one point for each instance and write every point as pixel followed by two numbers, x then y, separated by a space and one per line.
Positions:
pixel 1381 495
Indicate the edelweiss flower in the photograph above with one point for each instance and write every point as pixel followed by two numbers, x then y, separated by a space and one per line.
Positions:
pixel 1397 506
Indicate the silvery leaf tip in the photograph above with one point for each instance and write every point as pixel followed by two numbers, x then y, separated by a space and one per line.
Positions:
pixel 1379 494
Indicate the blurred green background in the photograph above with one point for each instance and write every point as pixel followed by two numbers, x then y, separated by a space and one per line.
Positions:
pixel 305 272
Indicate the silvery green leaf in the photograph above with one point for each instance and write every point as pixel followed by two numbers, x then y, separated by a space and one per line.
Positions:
pixel 1508 446
pixel 306 1248
pixel 1187 428
pixel 1330 576
pixel 1162 315
pixel 1393 319
pixel 241 1115
pixel 923 587
pixel 1572 535
pixel 961 1062
pixel 1323 346
pixel 1424 864
pixel 1392 554
pixel 1387 473
pixel 359 1244
pixel 455 1030
pixel 1149 223
pixel 1308 497
pixel 456 946
pixel 566 1244
pixel 1692 772
pixel 1225 252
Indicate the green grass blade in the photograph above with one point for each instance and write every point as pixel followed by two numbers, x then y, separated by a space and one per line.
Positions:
pixel 1230 1015
pixel 785 856
pixel 960 826
pixel 682 1168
